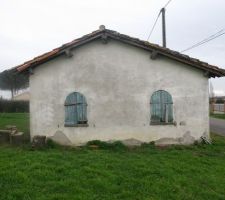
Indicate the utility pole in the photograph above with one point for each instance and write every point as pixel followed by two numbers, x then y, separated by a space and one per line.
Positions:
pixel 163 10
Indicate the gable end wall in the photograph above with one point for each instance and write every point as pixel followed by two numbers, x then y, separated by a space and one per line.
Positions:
pixel 118 81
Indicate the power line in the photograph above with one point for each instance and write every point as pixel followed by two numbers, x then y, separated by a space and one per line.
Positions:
pixel 167 3
pixel 206 39
pixel 157 19
pixel 154 25
pixel 212 37
pixel 202 42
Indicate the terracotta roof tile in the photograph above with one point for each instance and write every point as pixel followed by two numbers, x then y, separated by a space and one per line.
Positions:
pixel 213 70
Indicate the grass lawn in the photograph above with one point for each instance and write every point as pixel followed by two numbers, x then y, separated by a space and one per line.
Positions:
pixel 219 116
pixel 194 172
pixel 21 120
pixel 146 173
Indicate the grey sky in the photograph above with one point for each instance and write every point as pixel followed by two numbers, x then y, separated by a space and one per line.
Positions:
pixel 30 28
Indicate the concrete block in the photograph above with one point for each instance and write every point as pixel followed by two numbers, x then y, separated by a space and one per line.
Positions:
pixel 39 141
pixel 11 127
pixel 17 139
pixel 4 136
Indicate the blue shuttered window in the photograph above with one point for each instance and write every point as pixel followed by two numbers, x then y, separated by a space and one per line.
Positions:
pixel 161 107
pixel 75 110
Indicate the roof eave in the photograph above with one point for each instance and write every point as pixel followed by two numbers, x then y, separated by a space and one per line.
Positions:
pixel 213 71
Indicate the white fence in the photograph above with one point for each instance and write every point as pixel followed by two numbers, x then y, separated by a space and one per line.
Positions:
pixel 220 108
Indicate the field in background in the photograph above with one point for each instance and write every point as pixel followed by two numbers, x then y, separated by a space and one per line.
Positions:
pixel 21 120
pixel 218 116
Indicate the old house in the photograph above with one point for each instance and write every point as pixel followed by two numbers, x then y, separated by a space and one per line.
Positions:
pixel 109 86
pixel 23 96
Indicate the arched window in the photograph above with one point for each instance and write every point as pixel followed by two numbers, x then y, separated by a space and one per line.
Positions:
pixel 161 105
pixel 75 110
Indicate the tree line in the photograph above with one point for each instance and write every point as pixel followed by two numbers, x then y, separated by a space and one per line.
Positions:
pixel 13 81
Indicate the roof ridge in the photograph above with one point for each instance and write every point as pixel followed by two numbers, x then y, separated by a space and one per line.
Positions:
pixel 212 69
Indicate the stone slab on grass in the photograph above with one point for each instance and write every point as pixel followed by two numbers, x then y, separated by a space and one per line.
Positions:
pixel 5 136
pixel 17 139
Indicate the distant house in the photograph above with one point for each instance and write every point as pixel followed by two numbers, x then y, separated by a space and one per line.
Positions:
pixel 24 96
pixel 109 86
pixel 217 104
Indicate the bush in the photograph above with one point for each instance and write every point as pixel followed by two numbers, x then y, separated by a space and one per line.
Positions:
pixel 10 106
pixel 51 144
pixel 220 101
pixel 148 145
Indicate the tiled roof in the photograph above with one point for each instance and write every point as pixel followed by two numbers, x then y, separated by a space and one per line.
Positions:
pixel 211 71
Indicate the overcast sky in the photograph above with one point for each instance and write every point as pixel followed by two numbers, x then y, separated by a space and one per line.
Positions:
pixel 32 27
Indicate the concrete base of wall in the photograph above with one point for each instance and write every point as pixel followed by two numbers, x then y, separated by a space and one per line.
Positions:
pixel 60 138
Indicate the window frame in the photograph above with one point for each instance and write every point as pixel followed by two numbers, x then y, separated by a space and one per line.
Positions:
pixel 161 104
pixel 74 107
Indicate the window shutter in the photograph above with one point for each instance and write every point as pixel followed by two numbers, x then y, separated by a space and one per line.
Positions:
pixel 170 112
pixel 75 109
pixel 70 114
pixel 161 107
pixel 81 108
pixel 155 107
pixel 70 118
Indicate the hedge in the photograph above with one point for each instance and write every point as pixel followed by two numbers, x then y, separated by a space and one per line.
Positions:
pixel 11 106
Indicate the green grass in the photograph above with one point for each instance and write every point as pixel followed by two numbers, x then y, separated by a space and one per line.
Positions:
pixel 145 173
pixel 218 116
pixel 113 172
pixel 21 120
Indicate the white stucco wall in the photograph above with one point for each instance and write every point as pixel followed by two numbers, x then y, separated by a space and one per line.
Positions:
pixel 117 81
